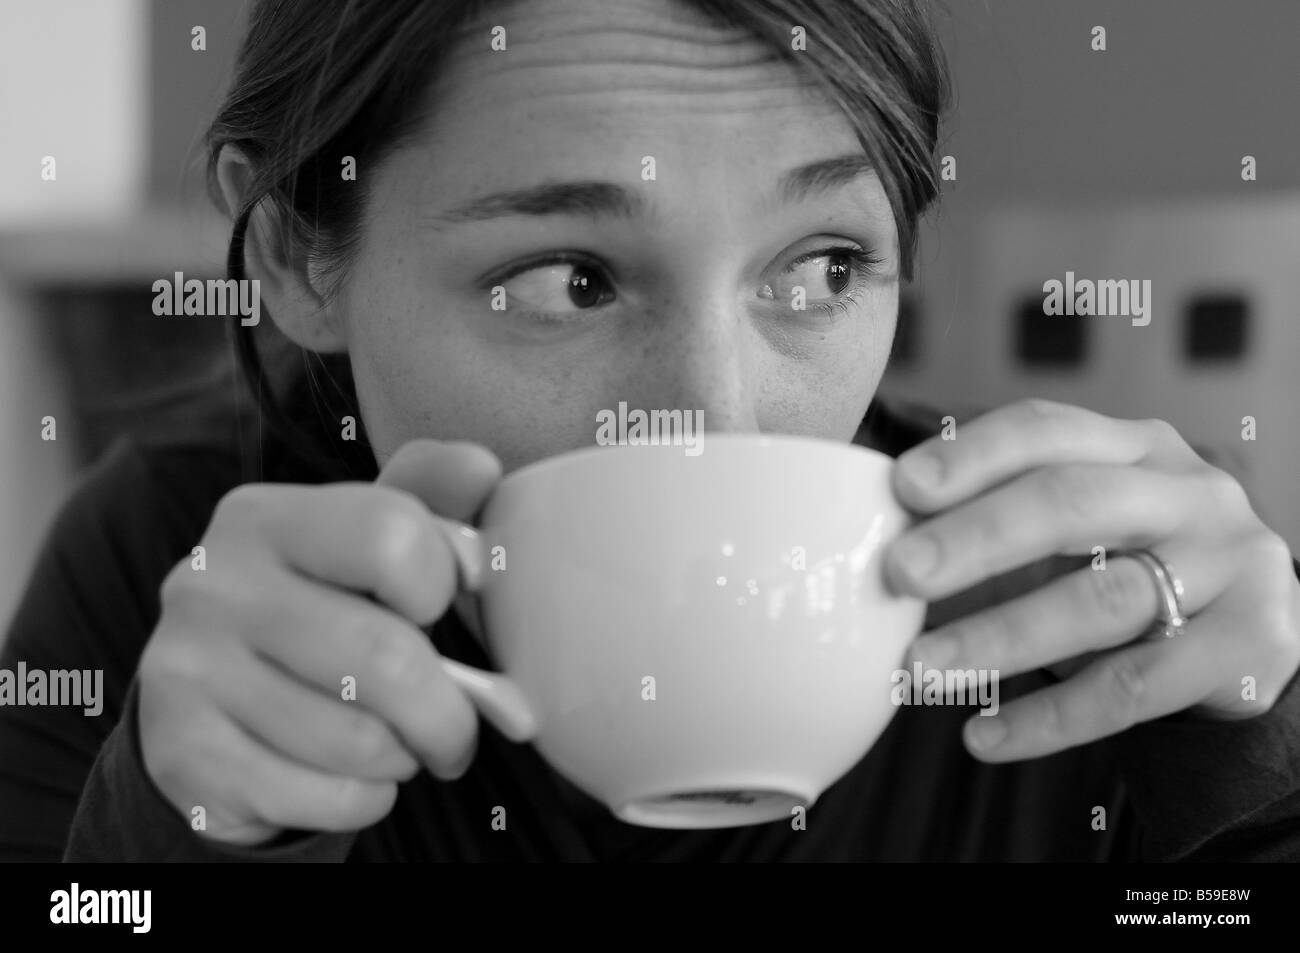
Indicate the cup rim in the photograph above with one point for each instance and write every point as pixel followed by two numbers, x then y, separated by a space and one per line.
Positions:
pixel 757 440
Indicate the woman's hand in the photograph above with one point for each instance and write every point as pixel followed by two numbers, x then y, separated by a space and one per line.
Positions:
pixel 1075 480
pixel 243 703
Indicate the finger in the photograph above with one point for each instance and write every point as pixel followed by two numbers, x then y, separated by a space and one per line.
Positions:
pixel 1139 683
pixel 1260 617
pixel 1058 509
pixel 1085 610
pixel 285 794
pixel 370 539
pixel 302 723
pixel 451 478
pixel 324 637
pixel 1008 440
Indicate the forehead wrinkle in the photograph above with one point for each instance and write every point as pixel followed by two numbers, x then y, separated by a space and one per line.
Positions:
pixel 628 74
pixel 600 43
pixel 631 111
pixel 771 86
pixel 653 23
pixel 639 48
pixel 626 41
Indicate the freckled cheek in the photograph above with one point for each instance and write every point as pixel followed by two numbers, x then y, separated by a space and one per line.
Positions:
pixel 413 374
pixel 863 353
pixel 819 399
pixel 523 405
pixel 825 391
pixel 396 397
pixel 553 406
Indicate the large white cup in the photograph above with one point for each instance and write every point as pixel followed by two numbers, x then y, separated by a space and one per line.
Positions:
pixel 696 641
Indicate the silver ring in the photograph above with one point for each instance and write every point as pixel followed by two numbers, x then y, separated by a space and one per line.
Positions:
pixel 1169 614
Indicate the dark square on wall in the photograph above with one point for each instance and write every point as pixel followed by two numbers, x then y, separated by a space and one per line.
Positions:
pixel 1049 340
pixel 1215 328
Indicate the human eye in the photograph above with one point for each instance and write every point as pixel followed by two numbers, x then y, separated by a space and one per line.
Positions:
pixel 556 289
pixel 833 279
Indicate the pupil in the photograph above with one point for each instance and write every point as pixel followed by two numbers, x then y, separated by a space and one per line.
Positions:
pixel 584 289
pixel 837 271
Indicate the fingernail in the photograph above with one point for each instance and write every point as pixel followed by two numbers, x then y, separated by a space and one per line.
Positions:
pixel 916 554
pixel 984 733
pixel 922 469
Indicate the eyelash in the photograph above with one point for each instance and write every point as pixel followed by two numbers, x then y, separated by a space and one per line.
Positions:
pixel 865 265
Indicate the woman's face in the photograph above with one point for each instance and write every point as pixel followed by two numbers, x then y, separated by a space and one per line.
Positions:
pixel 684 164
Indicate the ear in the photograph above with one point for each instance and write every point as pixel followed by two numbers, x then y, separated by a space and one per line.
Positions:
pixel 288 281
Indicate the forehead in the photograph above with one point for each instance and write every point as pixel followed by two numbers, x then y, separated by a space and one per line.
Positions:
pixel 593 86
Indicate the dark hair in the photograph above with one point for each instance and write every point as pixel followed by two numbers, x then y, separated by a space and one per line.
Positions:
pixel 315 81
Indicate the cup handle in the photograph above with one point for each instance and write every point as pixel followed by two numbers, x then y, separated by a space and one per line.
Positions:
pixel 496 696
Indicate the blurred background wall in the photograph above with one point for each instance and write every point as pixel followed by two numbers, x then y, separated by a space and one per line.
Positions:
pixel 1125 163
pixel 1117 164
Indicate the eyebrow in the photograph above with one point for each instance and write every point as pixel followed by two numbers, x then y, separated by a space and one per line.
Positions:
pixel 606 200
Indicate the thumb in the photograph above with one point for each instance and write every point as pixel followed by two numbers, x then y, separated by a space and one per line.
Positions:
pixel 452 478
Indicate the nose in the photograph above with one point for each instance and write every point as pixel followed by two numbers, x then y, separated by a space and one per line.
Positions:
pixel 699 355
